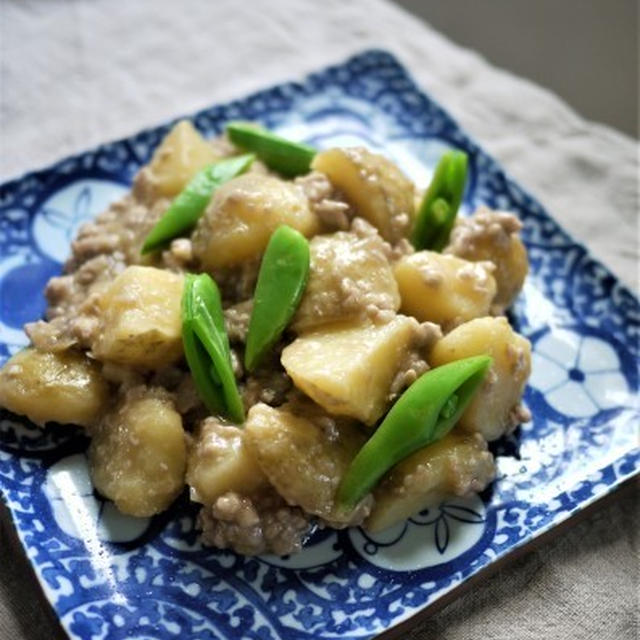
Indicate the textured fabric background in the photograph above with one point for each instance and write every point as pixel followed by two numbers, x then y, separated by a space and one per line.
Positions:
pixel 74 74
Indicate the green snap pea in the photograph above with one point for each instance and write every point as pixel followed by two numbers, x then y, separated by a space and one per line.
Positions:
pixel 284 156
pixel 281 282
pixel 189 205
pixel 423 414
pixel 206 347
pixel 439 207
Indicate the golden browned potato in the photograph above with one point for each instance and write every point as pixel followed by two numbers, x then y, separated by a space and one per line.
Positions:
pixel 495 409
pixel 444 289
pixel 243 214
pixel 304 459
pixel 137 456
pixel 457 465
pixel 181 154
pixel 348 369
pixel 220 461
pixel 493 235
pixel 350 277
pixel 140 319
pixel 378 190
pixel 61 387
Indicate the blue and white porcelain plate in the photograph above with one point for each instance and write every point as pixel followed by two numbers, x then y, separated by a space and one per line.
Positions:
pixel 110 576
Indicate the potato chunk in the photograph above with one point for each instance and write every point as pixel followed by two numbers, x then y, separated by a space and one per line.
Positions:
pixel 495 409
pixel 378 190
pixel 220 461
pixel 493 235
pixel 304 458
pixel 444 289
pixel 181 154
pixel 350 277
pixel 349 369
pixel 137 456
pixel 140 319
pixel 61 387
pixel 243 214
pixel 457 465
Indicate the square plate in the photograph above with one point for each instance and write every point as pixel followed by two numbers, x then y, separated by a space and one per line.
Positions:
pixel 108 575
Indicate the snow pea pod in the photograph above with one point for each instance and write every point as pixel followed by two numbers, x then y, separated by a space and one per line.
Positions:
pixel 284 156
pixel 206 347
pixel 439 207
pixel 281 282
pixel 423 414
pixel 189 205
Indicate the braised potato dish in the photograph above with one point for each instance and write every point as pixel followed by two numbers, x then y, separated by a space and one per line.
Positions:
pixel 289 333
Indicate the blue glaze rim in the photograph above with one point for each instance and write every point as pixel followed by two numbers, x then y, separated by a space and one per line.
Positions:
pixel 424 119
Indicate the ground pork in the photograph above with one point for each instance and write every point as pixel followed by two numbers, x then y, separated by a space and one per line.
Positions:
pixel 485 223
pixel 492 236
pixel 326 202
pixel 414 362
pixel 269 384
pixel 236 319
pixel 237 283
pixel 70 294
pixel 72 313
pixel 252 525
pixel 122 227
pixel 400 249
pixel 179 256
pixel 187 396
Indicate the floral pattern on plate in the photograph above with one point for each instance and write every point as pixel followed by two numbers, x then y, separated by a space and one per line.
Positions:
pixel 116 577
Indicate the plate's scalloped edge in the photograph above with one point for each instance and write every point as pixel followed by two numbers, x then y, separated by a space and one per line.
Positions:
pixel 366 56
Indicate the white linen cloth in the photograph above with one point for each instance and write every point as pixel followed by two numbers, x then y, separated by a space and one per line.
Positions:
pixel 74 74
